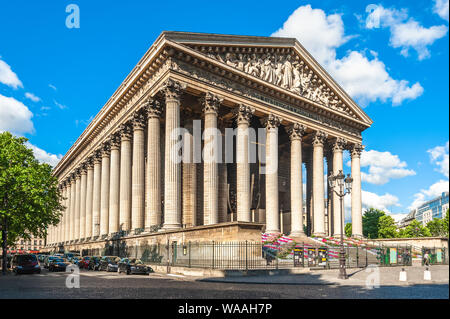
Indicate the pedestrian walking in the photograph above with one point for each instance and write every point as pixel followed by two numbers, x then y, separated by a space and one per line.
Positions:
pixel 426 259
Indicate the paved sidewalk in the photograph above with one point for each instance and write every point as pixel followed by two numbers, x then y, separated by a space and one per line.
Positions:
pixel 388 276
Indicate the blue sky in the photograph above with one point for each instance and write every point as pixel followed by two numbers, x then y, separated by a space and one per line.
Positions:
pixel 392 57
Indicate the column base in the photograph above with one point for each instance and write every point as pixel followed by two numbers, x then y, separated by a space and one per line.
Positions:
pixel 319 234
pixel 297 234
pixel 274 231
pixel 358 236
pixel 169 227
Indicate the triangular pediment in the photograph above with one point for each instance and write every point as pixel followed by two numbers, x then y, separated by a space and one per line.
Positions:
pixel 282 62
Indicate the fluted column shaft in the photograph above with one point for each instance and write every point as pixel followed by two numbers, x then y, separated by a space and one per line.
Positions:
pixel 243 164
pixel 125 178
pixel 72 209
pixel 272 205
pixel 77 207
pixel 138 177
pixel 67 214
pixel 89 199
pixel 153 211
pixel 318 185
pixel 83 187
pixel 211 153
pixel 355 153
pixel 114 201
pixel 96 202
pixel 296 132
pixel 338 147
pixel 172 168
pixel 104 200
pixel 189 179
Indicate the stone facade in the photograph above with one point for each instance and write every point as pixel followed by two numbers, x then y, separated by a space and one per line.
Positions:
pixel 124 176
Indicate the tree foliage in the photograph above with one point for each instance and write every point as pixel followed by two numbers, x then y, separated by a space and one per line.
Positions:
pixel 370 221
pixel 348 230
pixel 415 229
pixel 436 227
pixel 30 200
pixel 387 227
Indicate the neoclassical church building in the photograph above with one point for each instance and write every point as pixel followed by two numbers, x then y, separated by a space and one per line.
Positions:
pixel 122 178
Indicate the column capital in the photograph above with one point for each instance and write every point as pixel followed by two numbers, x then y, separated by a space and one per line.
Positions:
pixel 125 132
pixel 152 107
pixel 211 103
pixel 271 121
pixel 172 89
pixel 77 173
pixel 138 120
pixel 83 169
pixel 356 150
pixel 338 144
pixel 319 138
pixel 97 156
pixel 90 162
pixel 244 113
pixel 296 131
pixel 106 149
pixel 115 141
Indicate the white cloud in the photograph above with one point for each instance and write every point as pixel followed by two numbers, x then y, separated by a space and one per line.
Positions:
pixel 32 97
pixel 43 156
pixel 52 86
pixel 405 33
pixel 15 117
pixel 61 106
pixel 382 202
pixel 365 79
pixel 441 8
pixel 383 166
pixel 8 77
pixel 433 191
pixel 439 156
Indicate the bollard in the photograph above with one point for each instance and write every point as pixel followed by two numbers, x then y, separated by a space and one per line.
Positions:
pixel 427 274
pixel 403 276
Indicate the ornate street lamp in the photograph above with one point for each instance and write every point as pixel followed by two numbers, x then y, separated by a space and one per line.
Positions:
pixel 341 185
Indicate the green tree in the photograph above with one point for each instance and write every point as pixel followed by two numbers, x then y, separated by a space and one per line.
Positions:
pixel 436 227
pixel 30 200
pixel 445 224
pixel 370 221
pixel 416 229
pixel 348 230
pixel 387 227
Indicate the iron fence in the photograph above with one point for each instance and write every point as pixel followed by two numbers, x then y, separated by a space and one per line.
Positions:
pixel 437 256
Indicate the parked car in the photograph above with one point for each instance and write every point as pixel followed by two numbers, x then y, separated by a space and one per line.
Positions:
pixel 48 259
pixel 58 264
pixel 109 263
pixel 70 256
pixel 133 266
pixel 25 263
pixel 94 263
pixel 75 260
pixel 84 262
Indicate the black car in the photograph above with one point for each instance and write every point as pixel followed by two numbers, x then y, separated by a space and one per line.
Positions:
pixel 94 263
pixel 48 259
pixel 109 263
pixel 58 264
pixel 133 266
pixel 25 263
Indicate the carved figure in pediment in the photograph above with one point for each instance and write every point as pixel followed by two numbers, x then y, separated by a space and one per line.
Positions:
pixel 231 59
pixel 279 70
pixel 297 82
pixel 240 62
pixel 269 71
pixel 287 73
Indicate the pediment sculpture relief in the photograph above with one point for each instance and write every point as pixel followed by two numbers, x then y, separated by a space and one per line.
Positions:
pixel 285 70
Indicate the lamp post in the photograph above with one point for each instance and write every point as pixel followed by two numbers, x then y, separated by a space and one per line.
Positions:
pixel 341 185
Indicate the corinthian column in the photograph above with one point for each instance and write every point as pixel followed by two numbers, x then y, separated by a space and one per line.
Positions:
pixel 355 153
pixel 138 177
pixel 67 213
pixel 271 122
pixel 125 177
pixel 114 185
pixel 296 132
pixel 244 115
pixel 318 186
pixel 172 168
pixel 76 232
pixel 211 153
pixel 189 178
pixel 153 211
pixel 89 196
pixel 337 145
pixel 96 194
pixel 83 187
pixel 104 200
